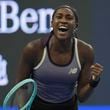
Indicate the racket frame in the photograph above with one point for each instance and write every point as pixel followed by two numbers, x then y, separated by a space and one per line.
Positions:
pixel 15 88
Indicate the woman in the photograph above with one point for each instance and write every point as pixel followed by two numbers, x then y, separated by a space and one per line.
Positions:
pixel 62 65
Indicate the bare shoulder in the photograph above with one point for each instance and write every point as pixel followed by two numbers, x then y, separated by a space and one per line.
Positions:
pixel 33 50
pixel 84 44
pixel 85 49
pixel 33 46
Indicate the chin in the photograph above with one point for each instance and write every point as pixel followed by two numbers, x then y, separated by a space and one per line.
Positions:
pixel 62 37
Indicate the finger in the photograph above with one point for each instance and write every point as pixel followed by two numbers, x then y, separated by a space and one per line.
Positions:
pixel 98 65
pixel 97 68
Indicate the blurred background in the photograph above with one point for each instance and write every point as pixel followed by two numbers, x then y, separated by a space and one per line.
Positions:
pixel 22 21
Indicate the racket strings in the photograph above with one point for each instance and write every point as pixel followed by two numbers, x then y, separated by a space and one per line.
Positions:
pixel 21 96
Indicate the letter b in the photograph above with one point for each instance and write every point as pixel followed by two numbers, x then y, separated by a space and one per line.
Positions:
pixel 12 15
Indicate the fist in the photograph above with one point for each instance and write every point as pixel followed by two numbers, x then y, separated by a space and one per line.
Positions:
pixel 96 71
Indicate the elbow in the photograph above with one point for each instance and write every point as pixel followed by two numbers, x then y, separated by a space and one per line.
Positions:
pixel 82 98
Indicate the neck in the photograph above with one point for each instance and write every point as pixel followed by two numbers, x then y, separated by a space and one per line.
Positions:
pixel 61 46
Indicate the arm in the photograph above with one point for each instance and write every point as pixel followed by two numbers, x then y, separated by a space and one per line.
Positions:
pixel 23 72
pixel 29 58
pixel 89 69
pixel 25 64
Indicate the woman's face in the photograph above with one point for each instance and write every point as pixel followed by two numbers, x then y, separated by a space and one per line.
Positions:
pixel 63 23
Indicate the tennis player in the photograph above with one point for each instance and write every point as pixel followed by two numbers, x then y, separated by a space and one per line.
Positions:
pixel 62 65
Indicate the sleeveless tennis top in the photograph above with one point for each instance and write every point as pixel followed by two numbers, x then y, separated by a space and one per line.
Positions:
pixel 56 83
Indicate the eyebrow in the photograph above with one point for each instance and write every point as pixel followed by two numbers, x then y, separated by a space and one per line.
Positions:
pixel 59 13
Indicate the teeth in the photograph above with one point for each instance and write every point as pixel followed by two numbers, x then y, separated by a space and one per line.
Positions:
pixel 63 28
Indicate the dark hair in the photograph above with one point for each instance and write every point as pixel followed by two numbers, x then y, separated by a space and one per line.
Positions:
pixel 69 7
pixel 74 12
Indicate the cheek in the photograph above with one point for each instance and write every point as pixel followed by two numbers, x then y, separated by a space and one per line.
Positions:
pixel 73 23
pixel 72 26
pixel 54 24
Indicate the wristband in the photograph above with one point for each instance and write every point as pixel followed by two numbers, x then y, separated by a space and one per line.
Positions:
pixel 94 83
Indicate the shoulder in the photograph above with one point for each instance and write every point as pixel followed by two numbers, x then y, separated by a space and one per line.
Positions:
pixel 33 45
pixel 84 44
pixel 86 50
pixel 32 49
pixel 37 44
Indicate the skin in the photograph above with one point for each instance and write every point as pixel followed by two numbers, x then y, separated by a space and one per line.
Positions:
pixel 60 49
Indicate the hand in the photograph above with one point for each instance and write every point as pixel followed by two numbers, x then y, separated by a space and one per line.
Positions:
pixel 96 71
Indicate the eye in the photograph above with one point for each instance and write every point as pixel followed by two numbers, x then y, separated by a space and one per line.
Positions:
pixel 58 16
pixel 70 17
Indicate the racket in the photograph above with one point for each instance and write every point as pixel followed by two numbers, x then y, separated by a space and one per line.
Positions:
pixel 21 95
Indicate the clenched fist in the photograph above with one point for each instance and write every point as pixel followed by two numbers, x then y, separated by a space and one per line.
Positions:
pixel 96 71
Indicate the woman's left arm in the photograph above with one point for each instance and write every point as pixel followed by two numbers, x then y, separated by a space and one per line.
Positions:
pixel 89 75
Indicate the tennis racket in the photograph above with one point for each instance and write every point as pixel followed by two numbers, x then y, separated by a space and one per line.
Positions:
pixel 21 95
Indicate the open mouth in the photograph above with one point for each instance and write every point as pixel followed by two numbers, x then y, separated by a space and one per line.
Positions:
pixel 63 29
